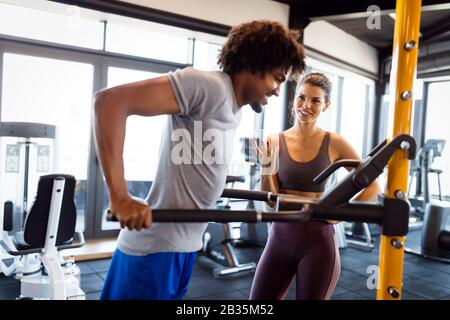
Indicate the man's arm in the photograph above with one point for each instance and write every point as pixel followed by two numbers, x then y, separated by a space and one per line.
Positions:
pixel 111 108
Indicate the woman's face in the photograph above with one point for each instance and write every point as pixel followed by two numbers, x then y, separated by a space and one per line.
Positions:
pixel 310 103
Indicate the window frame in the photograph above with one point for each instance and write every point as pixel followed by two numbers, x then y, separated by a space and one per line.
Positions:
pixel 101 61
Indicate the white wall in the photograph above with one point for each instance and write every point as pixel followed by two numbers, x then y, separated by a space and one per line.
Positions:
pixel 326 38
pixel 228 12
pixel 319 35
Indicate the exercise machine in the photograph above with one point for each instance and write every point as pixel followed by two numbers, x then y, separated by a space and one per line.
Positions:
pixel 420 173
pixel 254 234
pixel 433 213
pixel 32 236
pixel 435 242
pixel 352 234
pixel 356 235
pixel 390 214
pixel 219 241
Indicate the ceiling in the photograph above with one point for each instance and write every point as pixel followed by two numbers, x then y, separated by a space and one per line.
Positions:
pixel 320 8
pixel 432 28
pixel 351 17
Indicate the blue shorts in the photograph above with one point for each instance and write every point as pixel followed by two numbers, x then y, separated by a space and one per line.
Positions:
pixel 158 276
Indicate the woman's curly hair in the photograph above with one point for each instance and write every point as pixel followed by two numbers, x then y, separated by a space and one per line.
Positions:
pixel 262 46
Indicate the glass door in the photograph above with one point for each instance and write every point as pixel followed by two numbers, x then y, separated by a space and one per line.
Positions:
pixel 436 127
pixel 56 92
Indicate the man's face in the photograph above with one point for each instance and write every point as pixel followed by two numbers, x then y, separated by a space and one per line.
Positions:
pixel 261 87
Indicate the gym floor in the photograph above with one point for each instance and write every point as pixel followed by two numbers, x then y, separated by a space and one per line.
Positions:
pixel 423 278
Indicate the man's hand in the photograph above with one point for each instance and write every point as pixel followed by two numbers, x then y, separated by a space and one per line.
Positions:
pixel 132 213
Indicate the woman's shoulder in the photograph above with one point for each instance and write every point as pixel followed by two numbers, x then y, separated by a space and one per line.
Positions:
pixel 273 139
pixel 338 143
pixel 337 140
pixel 341 147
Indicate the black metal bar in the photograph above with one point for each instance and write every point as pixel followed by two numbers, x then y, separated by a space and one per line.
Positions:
pixel 223 216
pixel 249 195
pixel 333 167
pixel 366 172
pixel 377 148
pixel 435 30
pixel 25 181
pixel 193 215
pixel 323 8
pixel 395 217
pixel 352 212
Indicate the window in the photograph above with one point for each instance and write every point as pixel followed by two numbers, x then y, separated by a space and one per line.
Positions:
pixel 146 39
pixel 246 129
pixel 205 58
pixel 353 124
pixel 437 128
pixel 142 140
pixel 350 105
pixel 273 114
pixel 205 55
pixel 40 90
pixel 54 84
pixel 143 134
pixel 53 22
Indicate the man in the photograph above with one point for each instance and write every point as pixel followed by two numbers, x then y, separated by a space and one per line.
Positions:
pixel 155 261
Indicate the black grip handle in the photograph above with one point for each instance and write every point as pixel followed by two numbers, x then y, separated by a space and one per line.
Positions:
pixel 333 167
pixel 249 195
pixel 110 216
pixel 223 216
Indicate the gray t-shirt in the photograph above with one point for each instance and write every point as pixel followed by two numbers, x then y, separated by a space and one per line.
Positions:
pixel 194 154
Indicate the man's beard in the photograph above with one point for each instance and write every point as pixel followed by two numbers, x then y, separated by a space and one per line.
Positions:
pixel 256 106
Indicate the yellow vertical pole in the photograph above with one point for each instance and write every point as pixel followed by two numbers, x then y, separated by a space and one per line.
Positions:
pixel 404 64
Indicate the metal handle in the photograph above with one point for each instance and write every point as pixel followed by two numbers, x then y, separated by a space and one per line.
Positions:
pixel 333 167
pixel 224 216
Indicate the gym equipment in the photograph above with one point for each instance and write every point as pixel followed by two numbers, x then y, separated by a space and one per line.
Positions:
pixel 254 234
pixel 356 235
pixel 49 228
pixel 30 238
pixel 433 214
pixel 26 153
pixel 425 157
pixel 218 242
pixel 435 237
pixel 352 234
pixel 391 214
pixel 403 69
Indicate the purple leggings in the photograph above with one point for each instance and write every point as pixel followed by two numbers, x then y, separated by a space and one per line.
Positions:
pixel 306 250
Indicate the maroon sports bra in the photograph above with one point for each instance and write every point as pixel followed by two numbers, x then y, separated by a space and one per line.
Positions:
pixel 294 175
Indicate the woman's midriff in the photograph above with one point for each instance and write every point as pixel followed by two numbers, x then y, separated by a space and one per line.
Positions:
pixel 301 232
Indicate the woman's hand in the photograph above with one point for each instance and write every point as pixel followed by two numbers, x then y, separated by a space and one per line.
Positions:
pixel 267 157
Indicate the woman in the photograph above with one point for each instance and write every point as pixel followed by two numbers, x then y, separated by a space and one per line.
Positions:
pixel 290 161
